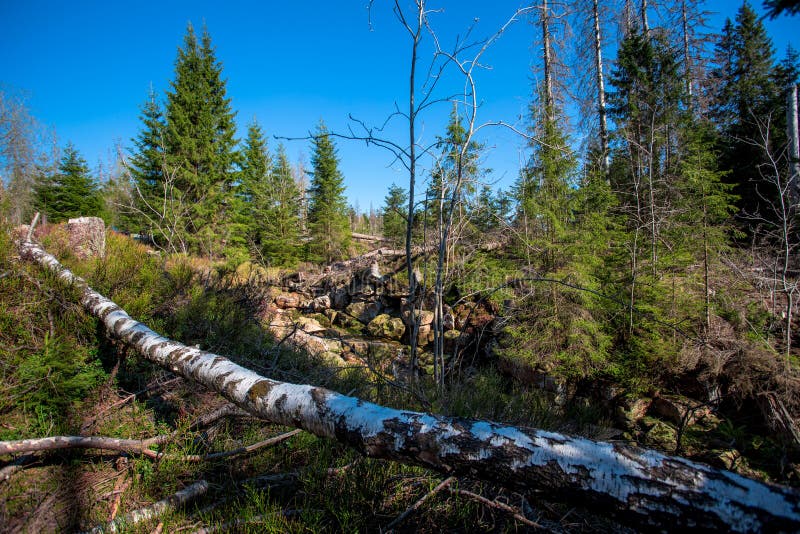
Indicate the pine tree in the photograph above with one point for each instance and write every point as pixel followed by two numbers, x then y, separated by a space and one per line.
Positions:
pixel 706 204
pixel 328 222
pixel 200 144
pixel 445 195
pixel 150 174
pixel 394 217
pixel 280 234
pixel 251 191
pixel 744 96
pixel 71 192
pixel 544 189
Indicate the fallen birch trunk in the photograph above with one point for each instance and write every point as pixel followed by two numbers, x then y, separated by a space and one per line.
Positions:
pixel 53 443
pixel 639 486
pixel 124 523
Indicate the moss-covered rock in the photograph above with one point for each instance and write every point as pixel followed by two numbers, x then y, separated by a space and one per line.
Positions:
pixel 384 325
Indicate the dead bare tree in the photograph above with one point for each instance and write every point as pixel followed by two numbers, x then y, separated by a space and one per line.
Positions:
pixel 166 216
pixel 779 227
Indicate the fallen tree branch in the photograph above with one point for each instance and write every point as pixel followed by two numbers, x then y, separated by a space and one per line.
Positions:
pixel 141 446
pixel 241 450
pixel 82 442
pixel 643 487
pixel 414 507
pixel 516 514
pixel 154 510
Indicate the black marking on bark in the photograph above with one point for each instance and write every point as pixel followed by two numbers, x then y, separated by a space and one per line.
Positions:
pixel 320 398
pixel 259 390
pixel 178 354
pixel 280 405
pixel 230 388
pixel 153 350
pixel 105 313
pixel 219 380
pixel 137 337
pixel 118 325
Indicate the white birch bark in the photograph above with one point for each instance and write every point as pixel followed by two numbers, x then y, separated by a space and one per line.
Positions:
pixel 601 90
pixel 794 145
pixel 640 486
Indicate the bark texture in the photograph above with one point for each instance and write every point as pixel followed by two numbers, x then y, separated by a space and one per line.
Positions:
pixel 640 486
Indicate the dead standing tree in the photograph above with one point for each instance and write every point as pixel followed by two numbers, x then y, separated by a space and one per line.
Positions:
pixel 643 487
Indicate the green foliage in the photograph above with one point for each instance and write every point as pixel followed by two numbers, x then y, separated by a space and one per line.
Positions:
pixel 490 211
pixel 148 171
pixel 454 177
pixel 328 222
pixel 184 158
pixel 48 352
pixel 747 107
pixel 63 372
pixel 394 215
pixel 71 192
pixel 544 191
pixel 280 238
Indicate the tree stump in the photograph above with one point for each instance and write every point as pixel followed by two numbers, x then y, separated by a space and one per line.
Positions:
pixel 87 237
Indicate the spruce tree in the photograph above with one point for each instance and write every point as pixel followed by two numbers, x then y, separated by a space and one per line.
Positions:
pixel 394 215
pixel 280 237
pixel 328 222
pixel 744 99
pixel 200 144
pixel 71 192
pixel 150 174
pixel 544 189
pixel 250 191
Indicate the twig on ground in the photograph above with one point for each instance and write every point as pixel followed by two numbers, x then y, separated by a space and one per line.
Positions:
pixel 514 512
pixel 17 465
pixel 414 507
pixel 338 470
pixel 119 489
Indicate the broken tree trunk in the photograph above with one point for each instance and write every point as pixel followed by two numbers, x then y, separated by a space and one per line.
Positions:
pixel 640 486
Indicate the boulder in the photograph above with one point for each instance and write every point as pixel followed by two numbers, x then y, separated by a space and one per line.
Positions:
pixel 321 303
pixel 340 298
pixel 674 408
pixel 630 411
pixel 309 325
pixel 425 317
pixel 288 300
pixel 87 237
pixel 424 335
pixel 451 338
pixel 384 325
pixel 661 435
pixel 364 311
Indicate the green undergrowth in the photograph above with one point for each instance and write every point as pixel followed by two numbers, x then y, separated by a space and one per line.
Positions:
pixel 63 375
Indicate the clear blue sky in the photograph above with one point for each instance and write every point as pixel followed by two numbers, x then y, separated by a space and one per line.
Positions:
pixel 87 66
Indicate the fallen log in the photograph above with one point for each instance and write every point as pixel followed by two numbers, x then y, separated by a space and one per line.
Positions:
pixel 641 487
pixel 160 508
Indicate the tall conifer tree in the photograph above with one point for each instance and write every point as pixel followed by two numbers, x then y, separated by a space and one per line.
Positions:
pixel 199 140
pixel 281 234
pixel 148 168
pixel 71 192
pixel 328 223
pixel 744 98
